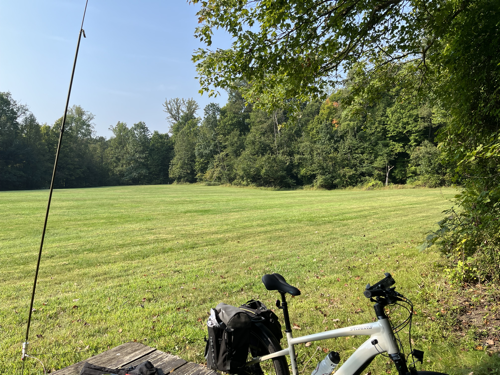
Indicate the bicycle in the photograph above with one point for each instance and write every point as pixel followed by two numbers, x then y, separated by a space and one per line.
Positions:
pixel 383 336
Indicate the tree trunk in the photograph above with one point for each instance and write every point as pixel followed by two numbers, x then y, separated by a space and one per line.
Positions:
pixel 275 127
pixel 388 169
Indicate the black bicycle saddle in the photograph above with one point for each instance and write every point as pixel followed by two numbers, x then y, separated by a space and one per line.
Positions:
pixel 278 282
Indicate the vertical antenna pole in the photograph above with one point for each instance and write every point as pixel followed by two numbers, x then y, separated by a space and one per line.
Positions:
pixel 25 344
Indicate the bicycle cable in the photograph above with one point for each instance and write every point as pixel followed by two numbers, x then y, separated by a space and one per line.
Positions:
pixel 401 326
pixel 408 306
pixel 408 322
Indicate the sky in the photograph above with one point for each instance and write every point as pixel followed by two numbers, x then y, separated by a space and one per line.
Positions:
pixel 136 55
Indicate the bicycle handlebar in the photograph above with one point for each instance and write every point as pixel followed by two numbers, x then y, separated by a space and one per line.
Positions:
pixel 374 293
pixel 380 289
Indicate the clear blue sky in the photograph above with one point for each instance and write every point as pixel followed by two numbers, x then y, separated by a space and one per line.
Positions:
pixel 136 54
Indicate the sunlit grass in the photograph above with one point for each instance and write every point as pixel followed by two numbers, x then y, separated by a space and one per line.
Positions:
pixel 146 263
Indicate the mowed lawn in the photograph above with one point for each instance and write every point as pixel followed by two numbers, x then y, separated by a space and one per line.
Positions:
pixel 146 263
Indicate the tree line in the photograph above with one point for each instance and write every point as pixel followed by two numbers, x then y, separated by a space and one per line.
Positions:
pixel 330 145
pixel 133 155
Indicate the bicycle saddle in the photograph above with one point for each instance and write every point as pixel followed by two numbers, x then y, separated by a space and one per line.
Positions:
pixel 278 282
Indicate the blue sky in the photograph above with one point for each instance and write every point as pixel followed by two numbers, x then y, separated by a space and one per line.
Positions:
pixel 136 55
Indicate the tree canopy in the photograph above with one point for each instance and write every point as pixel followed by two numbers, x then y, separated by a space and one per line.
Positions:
pixel 292 50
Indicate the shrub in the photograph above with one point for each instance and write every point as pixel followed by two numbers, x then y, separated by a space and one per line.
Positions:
pixel 371 184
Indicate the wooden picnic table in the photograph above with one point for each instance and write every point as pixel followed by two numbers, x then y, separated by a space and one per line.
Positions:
pixel 133 353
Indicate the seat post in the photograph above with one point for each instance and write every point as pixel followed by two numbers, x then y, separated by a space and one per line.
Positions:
pixel 284 306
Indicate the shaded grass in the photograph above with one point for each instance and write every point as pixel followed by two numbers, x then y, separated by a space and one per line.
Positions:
pixel 146 263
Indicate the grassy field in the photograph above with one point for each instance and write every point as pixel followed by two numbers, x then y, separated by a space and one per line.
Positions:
pixel 146 263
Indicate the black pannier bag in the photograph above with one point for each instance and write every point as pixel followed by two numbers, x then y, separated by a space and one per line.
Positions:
pixel 228 338
pixel 260 313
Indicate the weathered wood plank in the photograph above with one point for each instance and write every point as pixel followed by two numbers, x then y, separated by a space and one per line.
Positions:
pixel 193 369
pixel 133 353
pixel 126 355
pixel 113 358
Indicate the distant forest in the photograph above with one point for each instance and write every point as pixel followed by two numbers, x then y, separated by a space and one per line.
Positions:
pixel 331 144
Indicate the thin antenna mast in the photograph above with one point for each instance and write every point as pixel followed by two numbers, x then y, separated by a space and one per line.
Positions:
pixel 25 343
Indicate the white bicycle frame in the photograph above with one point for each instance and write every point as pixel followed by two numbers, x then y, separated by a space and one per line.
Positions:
pixel 380 331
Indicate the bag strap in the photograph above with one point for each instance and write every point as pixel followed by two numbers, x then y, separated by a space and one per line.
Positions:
pixel 254 309
pixel 91 369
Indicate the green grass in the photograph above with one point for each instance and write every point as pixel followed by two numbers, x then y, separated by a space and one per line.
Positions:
pixel 147 263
